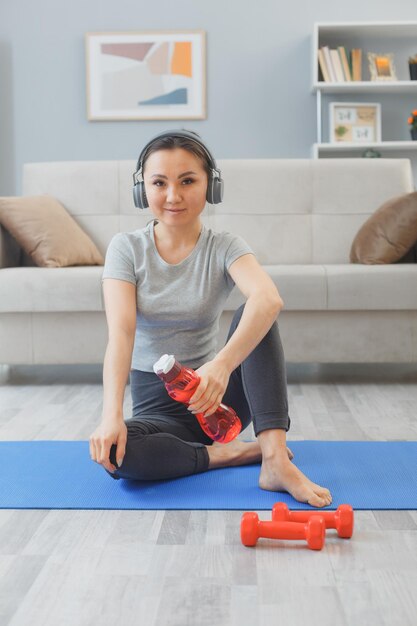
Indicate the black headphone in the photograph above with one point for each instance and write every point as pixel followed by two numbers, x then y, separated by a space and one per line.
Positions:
pixel 215 186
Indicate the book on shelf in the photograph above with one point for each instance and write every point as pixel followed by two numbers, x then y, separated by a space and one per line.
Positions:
pixel 356 55
pixel 328 61
pixel 323 67
pixel 345 63
pixel 337 65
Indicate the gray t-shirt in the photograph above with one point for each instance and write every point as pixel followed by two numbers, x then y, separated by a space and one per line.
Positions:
pixel 178 306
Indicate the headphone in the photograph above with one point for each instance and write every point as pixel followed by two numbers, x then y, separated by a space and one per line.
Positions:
pixel 215 186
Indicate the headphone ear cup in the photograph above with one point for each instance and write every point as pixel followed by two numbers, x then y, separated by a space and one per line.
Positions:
pixel 139 196
pixel 215 190
pixel 145 203
pixel 218 191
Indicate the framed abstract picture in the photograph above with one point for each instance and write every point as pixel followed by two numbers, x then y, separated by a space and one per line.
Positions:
pixel 157 75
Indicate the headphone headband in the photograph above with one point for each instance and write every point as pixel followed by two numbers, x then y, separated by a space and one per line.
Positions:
pixel 215 183
pixel 175 133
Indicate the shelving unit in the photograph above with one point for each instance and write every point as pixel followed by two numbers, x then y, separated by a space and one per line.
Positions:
pixel 368 86
pixel 400 38
pixel 382 146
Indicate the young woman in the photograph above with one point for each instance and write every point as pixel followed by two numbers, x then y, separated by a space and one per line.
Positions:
pixel 164 289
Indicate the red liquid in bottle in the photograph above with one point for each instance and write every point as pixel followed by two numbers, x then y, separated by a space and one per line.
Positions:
pixel 223 425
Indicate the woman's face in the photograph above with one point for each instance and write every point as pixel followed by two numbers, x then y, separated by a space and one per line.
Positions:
pixel 175 185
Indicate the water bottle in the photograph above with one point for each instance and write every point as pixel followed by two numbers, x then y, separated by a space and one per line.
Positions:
pixel 223 425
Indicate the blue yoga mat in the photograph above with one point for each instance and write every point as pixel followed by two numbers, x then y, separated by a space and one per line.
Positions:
pixel 61 475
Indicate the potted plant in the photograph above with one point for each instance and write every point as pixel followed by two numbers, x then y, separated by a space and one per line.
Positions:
pixel 412 64
pixel 412 120
pixel 340 131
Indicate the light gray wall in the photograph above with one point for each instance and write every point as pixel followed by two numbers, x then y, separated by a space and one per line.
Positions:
pixel 259 100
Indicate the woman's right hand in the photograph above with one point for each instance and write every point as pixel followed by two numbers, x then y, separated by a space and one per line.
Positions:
pixel 109 432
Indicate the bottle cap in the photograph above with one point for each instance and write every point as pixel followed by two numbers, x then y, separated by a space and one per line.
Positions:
pixel 167 367
pixel 164 364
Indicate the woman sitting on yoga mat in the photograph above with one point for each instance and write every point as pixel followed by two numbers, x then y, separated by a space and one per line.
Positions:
pixel 164 288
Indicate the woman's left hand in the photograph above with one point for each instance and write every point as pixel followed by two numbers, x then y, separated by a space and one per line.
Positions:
pixel 214 378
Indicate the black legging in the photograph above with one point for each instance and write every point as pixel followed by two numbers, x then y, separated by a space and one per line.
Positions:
pixel 164 439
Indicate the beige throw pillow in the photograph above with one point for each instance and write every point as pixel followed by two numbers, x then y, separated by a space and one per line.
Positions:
pixel 389 233
pixel 47 232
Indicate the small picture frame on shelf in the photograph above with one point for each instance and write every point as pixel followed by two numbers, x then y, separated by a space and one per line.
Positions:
pixel 355 122
pixel 381 66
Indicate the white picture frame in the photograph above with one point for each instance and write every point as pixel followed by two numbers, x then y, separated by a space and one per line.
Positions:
pixel 355 122
pixel 146 75
pixel 382 67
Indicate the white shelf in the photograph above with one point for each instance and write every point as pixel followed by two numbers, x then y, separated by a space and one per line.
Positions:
pixel 360 147
pixel 370 29
pixel 368 86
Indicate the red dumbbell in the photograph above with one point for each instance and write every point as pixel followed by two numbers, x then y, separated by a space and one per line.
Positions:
pixel 251 528
pixel 341 519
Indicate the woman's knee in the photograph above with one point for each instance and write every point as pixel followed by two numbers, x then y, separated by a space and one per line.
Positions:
pixel 146 456
pixel 235 320
pixel 130 466
pixel 134 464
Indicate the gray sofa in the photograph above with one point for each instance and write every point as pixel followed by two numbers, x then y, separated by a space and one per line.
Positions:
pixel 299 215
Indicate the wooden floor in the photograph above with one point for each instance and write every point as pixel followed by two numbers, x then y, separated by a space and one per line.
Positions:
pixel 180 568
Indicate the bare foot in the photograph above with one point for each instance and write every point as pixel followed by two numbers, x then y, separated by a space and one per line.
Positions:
pixel 236 453
pixel 278 474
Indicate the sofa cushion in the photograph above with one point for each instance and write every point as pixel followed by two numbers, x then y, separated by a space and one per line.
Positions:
pixel 271 237
pixel 341 287
pixel 41 289
pixel 372 287
pixel 302 287
pixel 389 233
pixel 45 231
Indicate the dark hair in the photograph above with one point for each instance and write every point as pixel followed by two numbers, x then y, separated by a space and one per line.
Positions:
pixel 170 143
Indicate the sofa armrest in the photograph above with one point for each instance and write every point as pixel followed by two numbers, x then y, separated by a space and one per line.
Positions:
pixel 10 250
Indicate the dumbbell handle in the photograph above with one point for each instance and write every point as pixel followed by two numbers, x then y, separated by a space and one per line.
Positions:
pixel 304 516
pixel 282 530
pixel 252 528
pixel 341 519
